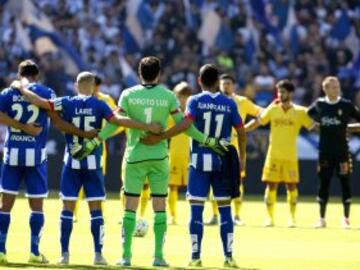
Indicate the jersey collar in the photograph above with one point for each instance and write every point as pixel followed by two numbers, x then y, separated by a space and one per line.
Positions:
pixel 213 95
pixel 327 100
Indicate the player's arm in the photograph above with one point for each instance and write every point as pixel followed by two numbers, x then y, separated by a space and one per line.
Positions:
pixel 31 96
pixel 130 123
pixel 242 146
pixel 69 128
pixel 262 119
pixel 31 129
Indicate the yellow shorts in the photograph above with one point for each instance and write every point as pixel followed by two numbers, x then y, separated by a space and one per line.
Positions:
pixel 179 171
pixel 280 171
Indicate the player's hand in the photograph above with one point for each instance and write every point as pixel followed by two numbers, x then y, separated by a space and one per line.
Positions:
pixel 218 146
pixel 91 134
pixel 33 129
pixel 155 128
pixel 84 150
pixel 19 84
pixel 151 139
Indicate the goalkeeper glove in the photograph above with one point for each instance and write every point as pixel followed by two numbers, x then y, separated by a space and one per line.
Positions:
pixel 218 146
pixel 86 149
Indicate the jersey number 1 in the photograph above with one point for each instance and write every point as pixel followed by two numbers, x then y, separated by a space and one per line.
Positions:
pixel 219 119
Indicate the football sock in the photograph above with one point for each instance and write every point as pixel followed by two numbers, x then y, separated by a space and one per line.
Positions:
pixel 97 229
pixel 36 224
pixel 238 201
pixel 129 222
pixel 226 229
pixel 346 194
pixel 292 196
pixel 196 229
pixel 173 197
pixel 214 208
pixel 160 227
pixel 144 199
pixel 66 225
pixel 4 228
pixel 270 200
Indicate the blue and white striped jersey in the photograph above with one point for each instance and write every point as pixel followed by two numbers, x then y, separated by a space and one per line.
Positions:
pixel 21 149
pixel 86 113
pixel 215 115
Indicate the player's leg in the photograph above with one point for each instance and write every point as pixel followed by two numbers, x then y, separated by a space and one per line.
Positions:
pixel 77 204
pixel 292 196
pixel 214 220
pixel 70 185
pixel 237 205
pixel 94 189
pixel 291 179
pixel 144 200
pixel 343 171
pixel 271 177
pixel 325 172
pixel 133 176
pixel 223 200
pixel 197 193
pixel 158 179
pixel 37 190
pixel 173 198
pixel 10 182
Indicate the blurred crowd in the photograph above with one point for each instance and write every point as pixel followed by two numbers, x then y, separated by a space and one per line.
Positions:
pixel 304 45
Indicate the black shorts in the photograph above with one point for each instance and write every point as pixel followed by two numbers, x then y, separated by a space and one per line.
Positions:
pixel 330 163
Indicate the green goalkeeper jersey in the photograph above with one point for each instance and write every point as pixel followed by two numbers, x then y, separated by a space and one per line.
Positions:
pixel 147 104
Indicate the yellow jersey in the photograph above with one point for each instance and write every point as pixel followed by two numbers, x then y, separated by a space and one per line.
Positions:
pixel 245 107
pixel 111 103
pixel 284 129
pixel 179 145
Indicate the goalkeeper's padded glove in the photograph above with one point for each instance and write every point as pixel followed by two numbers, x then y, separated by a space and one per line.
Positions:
pixel 86 149
pixel 218 146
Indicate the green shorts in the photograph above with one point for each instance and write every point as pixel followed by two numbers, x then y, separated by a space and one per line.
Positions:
pixel 155 171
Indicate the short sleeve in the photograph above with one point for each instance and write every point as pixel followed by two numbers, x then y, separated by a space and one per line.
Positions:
pixel 106 111
pixel 4 100
pixel 236 120
pixel 354 112
pixel 60 104
pixel 265 116
pixel 306 120
pixel 123 103
pixel 174 104
pixel 252 108
pixel 190 111
pixel 313 111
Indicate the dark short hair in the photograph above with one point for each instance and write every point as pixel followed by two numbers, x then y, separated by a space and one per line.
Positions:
pixel 28 68
pixel 286 84
pixel 226 76
pixel 209 75
pixel 98 80
pixel 149 68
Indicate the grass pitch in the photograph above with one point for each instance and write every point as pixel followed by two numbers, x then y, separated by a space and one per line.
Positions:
pixel 255 247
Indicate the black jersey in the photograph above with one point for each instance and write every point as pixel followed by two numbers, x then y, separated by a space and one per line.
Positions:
pixel 333 119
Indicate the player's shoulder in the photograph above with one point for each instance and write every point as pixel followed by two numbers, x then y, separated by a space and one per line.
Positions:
pixel 298 107
pixel 8 91
pixel 40 88
pixel 346 101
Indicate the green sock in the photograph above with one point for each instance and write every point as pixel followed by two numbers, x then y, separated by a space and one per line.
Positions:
pixel 129 222
pixel 160 226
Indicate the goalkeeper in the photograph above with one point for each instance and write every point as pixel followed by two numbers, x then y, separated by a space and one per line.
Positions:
pixel 148 102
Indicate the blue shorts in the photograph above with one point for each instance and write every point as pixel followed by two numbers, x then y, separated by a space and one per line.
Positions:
pixel 72 180
pixel 35 179
pixel 199 186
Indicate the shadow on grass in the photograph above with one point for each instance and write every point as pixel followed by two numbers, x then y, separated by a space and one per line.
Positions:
pixel 87 267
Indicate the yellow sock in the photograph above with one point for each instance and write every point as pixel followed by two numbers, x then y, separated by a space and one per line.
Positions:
pixel 76 209
pixel 173 197
pixel 270 200
pixel 238 201
pixel 292 196
pixel 214 208
pixel 144 199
